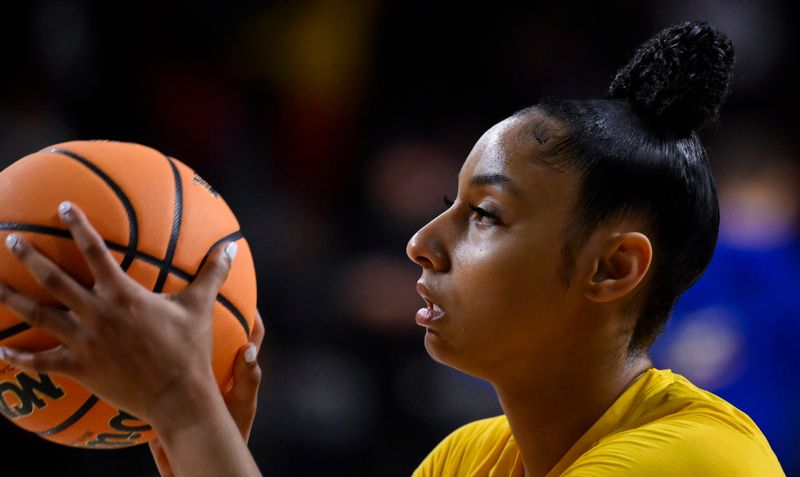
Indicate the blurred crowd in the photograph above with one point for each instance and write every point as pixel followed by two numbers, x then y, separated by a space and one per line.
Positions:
pixel 334 129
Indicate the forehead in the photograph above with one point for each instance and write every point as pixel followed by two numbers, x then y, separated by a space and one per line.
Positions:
pixel 511 149
pixel 494 151
pixel 514 148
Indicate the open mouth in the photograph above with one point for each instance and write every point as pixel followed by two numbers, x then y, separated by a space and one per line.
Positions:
pixel 429 314
pixel 433 307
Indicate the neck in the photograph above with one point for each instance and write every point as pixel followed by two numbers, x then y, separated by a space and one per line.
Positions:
pixel 548 416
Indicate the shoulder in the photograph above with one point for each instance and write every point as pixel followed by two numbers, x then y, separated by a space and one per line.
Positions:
pixel 467 447
pixel 680 429
pixel 678 446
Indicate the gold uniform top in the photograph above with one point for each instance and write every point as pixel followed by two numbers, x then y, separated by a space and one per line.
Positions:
pixel 662 425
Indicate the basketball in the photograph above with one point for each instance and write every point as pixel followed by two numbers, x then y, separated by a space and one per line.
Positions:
pixel 160 220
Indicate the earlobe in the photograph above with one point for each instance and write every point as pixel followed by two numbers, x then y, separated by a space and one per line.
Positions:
pixel 620 268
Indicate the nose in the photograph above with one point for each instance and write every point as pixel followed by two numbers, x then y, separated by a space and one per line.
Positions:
pixel 427 248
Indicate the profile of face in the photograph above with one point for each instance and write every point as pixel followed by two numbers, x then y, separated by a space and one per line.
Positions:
pixel 492 263
pixel 499 302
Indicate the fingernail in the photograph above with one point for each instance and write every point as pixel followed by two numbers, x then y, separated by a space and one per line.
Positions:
pixel 64 209
pixel 230 250
pixel 250 354
pixel 12 241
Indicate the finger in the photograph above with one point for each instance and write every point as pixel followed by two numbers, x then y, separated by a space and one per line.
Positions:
pixel 242 399
pixel 257 335
pixel 162 463
pixel 203 290
pixel 92 246
pixel 55 360
pixel 58 323
pixel 62 286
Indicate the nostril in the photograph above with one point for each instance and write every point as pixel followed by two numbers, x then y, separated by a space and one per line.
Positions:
pixel 425 262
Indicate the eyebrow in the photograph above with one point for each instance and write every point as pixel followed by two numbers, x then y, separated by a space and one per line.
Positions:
pixel 499 180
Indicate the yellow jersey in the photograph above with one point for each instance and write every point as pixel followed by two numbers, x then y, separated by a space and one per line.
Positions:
pixel 662 425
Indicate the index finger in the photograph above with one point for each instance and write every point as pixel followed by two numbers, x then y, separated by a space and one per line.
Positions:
pixel 90 243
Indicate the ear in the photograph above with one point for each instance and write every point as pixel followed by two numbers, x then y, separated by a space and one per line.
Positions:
pixel 620 267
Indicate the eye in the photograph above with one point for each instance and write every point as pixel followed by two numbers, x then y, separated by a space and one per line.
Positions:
pixel 482 215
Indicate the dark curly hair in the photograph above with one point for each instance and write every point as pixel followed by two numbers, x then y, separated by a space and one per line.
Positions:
pixel 638 153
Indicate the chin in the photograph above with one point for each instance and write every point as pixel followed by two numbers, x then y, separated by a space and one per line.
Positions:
pixel 433 345
pixel 444 353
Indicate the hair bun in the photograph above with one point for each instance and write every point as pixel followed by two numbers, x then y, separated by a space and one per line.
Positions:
pixel 678 79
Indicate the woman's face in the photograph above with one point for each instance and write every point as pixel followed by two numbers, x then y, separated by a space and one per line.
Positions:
pixel 492 262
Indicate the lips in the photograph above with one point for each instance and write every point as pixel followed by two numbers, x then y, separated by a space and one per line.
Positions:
pixel 432 311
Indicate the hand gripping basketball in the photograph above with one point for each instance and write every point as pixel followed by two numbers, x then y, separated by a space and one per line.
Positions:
pixel 241 399
pixel 141 351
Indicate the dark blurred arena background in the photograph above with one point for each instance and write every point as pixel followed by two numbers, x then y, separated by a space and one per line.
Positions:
pixel 334 129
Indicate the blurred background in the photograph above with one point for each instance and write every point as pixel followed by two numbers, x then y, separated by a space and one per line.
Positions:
pixel 333 129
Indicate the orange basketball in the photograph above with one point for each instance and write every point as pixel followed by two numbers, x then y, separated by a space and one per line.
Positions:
pixel 160 220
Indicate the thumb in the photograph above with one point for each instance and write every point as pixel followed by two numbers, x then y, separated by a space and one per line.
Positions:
pixel 242 399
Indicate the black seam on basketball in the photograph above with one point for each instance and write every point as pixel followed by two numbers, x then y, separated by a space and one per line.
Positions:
pixel 133 224
pixel 14 330
pixel 235 312
pixel 20 227
pixel 177 216
pixel 86 407
pixel 183 274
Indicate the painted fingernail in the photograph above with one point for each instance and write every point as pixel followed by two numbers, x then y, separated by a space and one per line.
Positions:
pixel 250 354
pixel 64 209
pixel 230 250
pixel 12 241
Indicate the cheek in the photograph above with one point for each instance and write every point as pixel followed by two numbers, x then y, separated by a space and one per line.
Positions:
pixel 504 286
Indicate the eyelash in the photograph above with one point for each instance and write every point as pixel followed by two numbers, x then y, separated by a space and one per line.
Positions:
pixel 484 214
pixel 481 212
